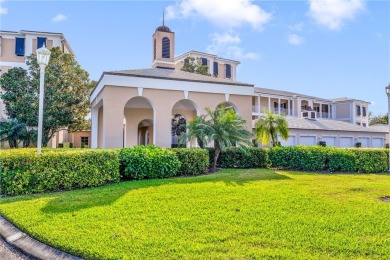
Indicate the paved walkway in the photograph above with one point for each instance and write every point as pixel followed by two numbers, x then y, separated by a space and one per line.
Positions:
pixel 23 243
pixel 8 253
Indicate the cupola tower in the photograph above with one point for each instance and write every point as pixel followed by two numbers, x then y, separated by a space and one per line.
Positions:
pixel 163 52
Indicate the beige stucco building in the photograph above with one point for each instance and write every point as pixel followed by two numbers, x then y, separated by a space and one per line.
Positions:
pixel 135 107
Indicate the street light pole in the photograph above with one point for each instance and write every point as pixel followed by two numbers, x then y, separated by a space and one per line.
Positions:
pixel 43 56
pixel 388 117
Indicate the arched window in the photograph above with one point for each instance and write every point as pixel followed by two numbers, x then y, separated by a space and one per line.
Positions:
pixel 154 48
pixel 166 46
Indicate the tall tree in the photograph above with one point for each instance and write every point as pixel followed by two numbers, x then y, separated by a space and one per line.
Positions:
pixel 225 128
pixel 374 120
pixel 194 65
pixel 269 126
pixel 67 88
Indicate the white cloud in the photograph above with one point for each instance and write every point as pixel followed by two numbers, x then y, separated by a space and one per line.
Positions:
pixel 333 13
pixel 295 39
pixel 227 44
pixel 226 13
pixel 296 27
pixel 3 10
pixel 59 18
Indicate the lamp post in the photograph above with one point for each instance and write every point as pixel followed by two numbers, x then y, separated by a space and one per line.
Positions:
pixel 43 56
pixel 388 116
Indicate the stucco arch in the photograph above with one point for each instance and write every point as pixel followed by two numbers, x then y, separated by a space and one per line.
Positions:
pixel 229 105
pixel 140 117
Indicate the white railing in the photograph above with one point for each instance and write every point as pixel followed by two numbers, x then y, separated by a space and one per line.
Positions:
pixel 325 115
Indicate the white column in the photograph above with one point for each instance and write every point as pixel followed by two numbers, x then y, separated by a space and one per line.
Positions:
pixel 258 104
pixel 288 107
pixel 293 108
pixel 329 107
pixel 279 106
pixel 269 104
pixel 320 110
pixel 94 127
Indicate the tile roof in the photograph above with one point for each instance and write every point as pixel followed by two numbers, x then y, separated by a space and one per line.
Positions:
pixel 171 74
pixel 329 125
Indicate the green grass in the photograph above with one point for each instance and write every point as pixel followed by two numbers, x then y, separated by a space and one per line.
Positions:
pixel 234 214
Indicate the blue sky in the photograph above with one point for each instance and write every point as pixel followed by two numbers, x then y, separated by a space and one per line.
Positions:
pixel 324 48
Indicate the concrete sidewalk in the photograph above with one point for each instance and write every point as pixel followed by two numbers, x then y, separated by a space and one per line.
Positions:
pixel 14 244
pixel 9 253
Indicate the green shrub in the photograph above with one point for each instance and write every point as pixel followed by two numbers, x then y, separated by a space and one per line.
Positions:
pixel 341 160
pixel 148 162
pixel 235 157
pixel 23 171
pixel 317 158
pixel 194 161
pixel 322 143
pixel 306 158
pixel 371 160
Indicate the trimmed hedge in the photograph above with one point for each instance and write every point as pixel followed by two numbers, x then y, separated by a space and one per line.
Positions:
pixel 235 157
pixel 194 161
pixel 148 162
pixel 329 159
pixel 23 171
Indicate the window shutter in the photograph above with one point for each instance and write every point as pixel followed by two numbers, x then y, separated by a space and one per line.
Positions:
pixel 19 46
pixel 204 62
pixel 215 70
pixel 40 42
pixel 228 71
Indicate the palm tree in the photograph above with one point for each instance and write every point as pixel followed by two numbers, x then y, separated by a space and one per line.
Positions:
pixel 196 129
pixel 13 132
pixel 226 129
pixel 269 126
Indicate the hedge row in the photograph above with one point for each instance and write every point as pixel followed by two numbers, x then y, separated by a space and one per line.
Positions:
pixel 329 159
pixel 23 171
pixel 235 157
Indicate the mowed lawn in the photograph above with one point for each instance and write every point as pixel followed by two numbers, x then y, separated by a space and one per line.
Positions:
pixel 234 214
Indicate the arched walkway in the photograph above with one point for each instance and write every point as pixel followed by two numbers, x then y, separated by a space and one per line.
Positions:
pixel 229 105
pixel 182 112
pixel 140 118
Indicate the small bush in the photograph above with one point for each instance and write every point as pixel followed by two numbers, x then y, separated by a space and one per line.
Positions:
pixel 322 143
pixel 148 162
pixel 358 145
pixel 23 171
pixel 235 157
pixel 194 161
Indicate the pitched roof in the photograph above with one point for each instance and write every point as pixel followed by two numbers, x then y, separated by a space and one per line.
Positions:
pixel 329 125
pixel 381 127
pixel 170 74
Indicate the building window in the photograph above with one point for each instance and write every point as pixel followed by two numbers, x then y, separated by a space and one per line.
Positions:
pixel 215 69
pixel 228 68
pixel 186 61
pixel 204 61
pixel 40 42
pixel 166 48
pixel 358 112
pixel 364 111
pixel 84 141
pixel 154 48
pixel 364 125
pixel 19 46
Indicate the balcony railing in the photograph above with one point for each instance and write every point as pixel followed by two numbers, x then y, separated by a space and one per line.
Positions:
pixel 283 111
pixel 324 115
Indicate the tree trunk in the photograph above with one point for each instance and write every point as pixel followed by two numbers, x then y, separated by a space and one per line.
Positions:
pixel 217 151
pixel 200 143
pixel 273 141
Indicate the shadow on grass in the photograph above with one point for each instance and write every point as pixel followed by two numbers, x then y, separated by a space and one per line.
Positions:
pixel 73 201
